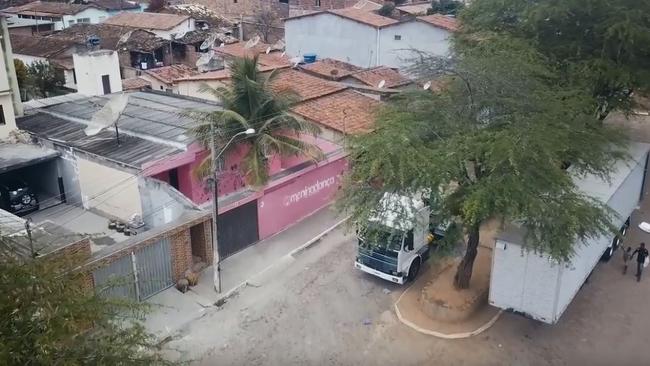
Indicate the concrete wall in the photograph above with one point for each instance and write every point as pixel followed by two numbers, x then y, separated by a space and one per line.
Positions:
pixel 91 66
pixel 109 190
pixel 161 203
pixel 414 35
pixel 186 26
pixel 191 88
pixel 288 203
pixel 9 115
pixel 69 171
pixel 69 79
pixel 95 16
pixel 332 36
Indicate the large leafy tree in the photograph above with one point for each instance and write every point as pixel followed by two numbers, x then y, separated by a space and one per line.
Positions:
pixel 600 45
pixel 44 79
pixel 48 317
pixel 250 102
pixel 494 144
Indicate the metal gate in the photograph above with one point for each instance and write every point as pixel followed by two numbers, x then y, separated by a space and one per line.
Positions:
pixel 138 275
pixel 237 229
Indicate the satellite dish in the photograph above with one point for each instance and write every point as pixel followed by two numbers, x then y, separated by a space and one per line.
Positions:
pixel 252 42
pixel 179 35
pixel 279 45
pixel 295 61
pixel 222 44
pixel 268 49
pixel 125 37
pixel 208 42
pixel 108 114
pixel 426 85
pixel 205 58
pixel 381 84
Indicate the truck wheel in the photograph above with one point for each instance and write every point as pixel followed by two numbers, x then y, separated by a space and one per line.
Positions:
pixel 608 254
pixel 414 269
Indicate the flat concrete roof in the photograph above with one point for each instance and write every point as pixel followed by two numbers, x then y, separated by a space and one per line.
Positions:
pixel 16 156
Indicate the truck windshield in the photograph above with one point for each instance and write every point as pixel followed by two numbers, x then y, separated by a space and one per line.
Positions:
pixel 381 236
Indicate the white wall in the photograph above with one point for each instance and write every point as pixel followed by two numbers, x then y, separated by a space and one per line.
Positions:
pixel 95 16
pixel 157 84
pixel 186 26
pixel 191 88
pixel 69 79
pixel 9 115
pixel 109 190
pixel 414 35
pixel 91 66
pixel 331 36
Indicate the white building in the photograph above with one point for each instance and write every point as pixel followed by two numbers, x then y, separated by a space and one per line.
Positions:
pixel 97 72
pixel 44 16
pixel 10 104
pixel 166 26
pixel 366 39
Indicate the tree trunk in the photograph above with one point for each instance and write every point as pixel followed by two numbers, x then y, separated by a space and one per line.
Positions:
pixel 464 271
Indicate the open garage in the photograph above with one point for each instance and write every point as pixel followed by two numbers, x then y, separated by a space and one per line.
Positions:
pixel 29 178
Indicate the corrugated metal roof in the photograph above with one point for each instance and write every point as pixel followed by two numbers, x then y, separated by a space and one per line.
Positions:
pixel 151 127
pixel 132 151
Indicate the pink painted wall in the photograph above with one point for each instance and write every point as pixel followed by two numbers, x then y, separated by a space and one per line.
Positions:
pixel 287 203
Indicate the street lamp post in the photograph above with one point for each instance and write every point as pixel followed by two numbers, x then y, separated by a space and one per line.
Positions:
pixel 215 203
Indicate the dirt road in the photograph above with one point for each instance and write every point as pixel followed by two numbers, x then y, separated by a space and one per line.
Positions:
pixel 316 309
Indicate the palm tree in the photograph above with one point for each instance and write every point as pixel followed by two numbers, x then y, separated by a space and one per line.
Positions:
pixel 249 102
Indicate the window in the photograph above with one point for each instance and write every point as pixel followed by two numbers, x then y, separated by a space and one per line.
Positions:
pixel 2 115
pixel 284 1
pixel 83 20
pixel 398 37
pixel 70 22
pixel 408 241
pixel 318 3
pixel 234 1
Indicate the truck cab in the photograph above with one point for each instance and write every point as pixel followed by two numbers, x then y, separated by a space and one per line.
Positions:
pixel 395 243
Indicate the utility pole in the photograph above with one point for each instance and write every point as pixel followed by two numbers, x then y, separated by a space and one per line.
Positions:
pixel 215 213
pixel 28 229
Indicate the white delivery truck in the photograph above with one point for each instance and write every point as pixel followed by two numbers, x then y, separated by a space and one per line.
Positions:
pixel 393 244
pixel 538 287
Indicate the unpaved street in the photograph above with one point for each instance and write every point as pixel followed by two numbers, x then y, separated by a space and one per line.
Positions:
pixel 317 309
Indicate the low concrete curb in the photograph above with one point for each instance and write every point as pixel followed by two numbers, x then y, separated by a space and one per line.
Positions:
pixel 233 291
pixel 437 334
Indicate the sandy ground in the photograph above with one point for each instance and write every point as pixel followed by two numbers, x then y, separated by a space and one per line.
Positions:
pixel 319 310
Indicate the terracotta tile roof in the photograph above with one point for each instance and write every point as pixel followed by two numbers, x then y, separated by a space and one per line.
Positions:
pixel 135 84
pixel 366 5
pixel 374 76
pixel 441 21
pixel 210 75
pixel 331 69
pixel 272 59
pixel 415 9
pixel 116 4
pixel 346 111
pixel 43 8
pixel 167 74
pixel 38 46
pixel 357 14
pixel 364 16
pixel 305 86
pixel 146 20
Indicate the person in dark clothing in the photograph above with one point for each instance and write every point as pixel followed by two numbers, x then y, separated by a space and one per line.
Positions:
pixel 641 254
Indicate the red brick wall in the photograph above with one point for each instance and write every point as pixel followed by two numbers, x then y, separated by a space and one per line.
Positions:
pixel 181 251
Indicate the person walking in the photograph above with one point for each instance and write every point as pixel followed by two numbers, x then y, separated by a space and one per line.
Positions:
pixel 641 254
pixel 627 255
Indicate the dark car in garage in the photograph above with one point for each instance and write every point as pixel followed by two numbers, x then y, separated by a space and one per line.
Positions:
pixel 16 196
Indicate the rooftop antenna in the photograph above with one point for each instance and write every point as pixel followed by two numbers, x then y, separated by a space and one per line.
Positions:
pixel 381 84
pixel 208 42
pixel 108 115
pixel 426 85
pixel 252 42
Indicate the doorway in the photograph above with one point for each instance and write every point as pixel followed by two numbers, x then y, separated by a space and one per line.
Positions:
pixel 106 83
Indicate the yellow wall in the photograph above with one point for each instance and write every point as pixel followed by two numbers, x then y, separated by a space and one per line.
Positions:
pixel 109 190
